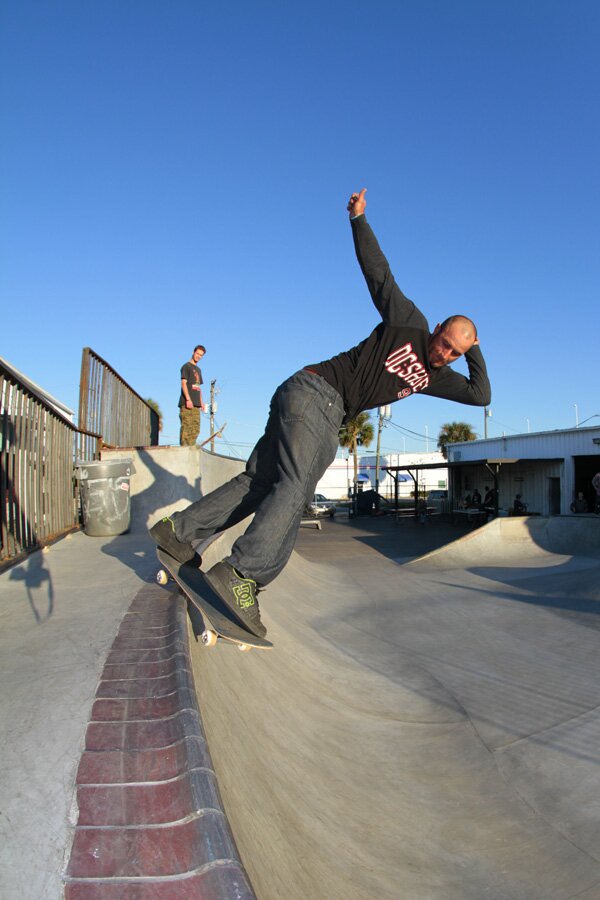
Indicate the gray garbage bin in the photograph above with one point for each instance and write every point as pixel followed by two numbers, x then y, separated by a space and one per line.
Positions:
pixel 105 495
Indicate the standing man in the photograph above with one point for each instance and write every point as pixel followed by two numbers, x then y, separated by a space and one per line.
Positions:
pixel 399 358
pixel 596 486
pixel 190 401
pixel 579 505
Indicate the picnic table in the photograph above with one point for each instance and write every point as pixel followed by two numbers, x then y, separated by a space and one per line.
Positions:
pixel 407 511
pixel 474 514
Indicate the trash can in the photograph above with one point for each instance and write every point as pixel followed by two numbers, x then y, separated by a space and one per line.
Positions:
pixel 105 495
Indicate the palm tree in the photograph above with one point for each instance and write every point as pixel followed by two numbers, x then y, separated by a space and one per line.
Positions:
pixel 357 432
pixel 454 433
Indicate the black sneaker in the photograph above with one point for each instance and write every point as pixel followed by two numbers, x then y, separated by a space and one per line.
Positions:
pixel 163 534
pixel 238 594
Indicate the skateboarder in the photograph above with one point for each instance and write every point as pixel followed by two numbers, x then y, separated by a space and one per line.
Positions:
pixel 399 358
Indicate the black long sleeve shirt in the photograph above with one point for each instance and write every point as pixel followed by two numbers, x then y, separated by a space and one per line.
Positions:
pixel 392 363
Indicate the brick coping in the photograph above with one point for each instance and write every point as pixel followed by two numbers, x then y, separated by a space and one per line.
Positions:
pixel 151 823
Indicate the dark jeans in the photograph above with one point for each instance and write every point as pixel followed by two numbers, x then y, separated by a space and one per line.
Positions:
pixel 300 441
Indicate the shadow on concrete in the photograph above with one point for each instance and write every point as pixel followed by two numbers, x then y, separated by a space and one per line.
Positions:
pixel 460 647
pixel 135 549
pixel 396 538
pixel 417 718
pixel 38 584
pixel 166 489
pixel 567 592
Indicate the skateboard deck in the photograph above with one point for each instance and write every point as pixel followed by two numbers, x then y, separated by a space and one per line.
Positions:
pixel 218 620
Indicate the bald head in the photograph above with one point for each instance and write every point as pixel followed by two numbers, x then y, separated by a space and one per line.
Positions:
pixel 451 339
pixel 465 325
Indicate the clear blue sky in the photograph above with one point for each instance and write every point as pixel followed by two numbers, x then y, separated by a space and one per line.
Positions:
pixel 175 173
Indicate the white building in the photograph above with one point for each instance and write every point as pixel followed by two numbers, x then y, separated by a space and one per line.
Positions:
pixel 339 477
pixel 547 468
pixel 429 479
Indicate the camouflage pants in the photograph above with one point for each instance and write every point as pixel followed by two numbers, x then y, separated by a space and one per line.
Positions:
pixel 190 426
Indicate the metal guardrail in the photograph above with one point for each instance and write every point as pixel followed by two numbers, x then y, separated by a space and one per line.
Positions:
pixel 110 407
pixel 38 449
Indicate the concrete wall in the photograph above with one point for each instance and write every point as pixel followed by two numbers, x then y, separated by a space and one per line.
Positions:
pixel 167 479
pixel 515 540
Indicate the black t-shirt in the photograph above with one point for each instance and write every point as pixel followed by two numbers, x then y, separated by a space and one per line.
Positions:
pixel 393 361
pixel 193 376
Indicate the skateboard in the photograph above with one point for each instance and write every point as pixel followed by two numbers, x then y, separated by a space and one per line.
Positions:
pixel 219 623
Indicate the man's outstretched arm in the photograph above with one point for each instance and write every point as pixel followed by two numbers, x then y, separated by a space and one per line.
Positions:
pixel 393 306
pixel 474 390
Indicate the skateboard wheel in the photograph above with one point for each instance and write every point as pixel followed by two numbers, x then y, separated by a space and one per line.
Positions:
pixel 244 647
pixel 209 638
pixel 162 577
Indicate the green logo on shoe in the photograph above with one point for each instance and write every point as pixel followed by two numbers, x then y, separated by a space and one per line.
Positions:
pixel 243 595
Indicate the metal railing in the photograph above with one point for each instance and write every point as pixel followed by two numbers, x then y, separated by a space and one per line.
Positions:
pixel 38 449
pixel 110 407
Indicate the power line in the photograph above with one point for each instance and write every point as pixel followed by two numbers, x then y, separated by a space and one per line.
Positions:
pixel 495 421
pixel 229 445
pixel 407 430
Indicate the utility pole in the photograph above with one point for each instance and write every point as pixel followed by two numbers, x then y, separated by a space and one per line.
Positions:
pixel 487 414
pixel 212 410
pixel 383 412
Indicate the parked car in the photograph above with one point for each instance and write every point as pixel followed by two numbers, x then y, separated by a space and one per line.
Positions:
pixel 437 495
pixel 320 506
pixel 438 499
